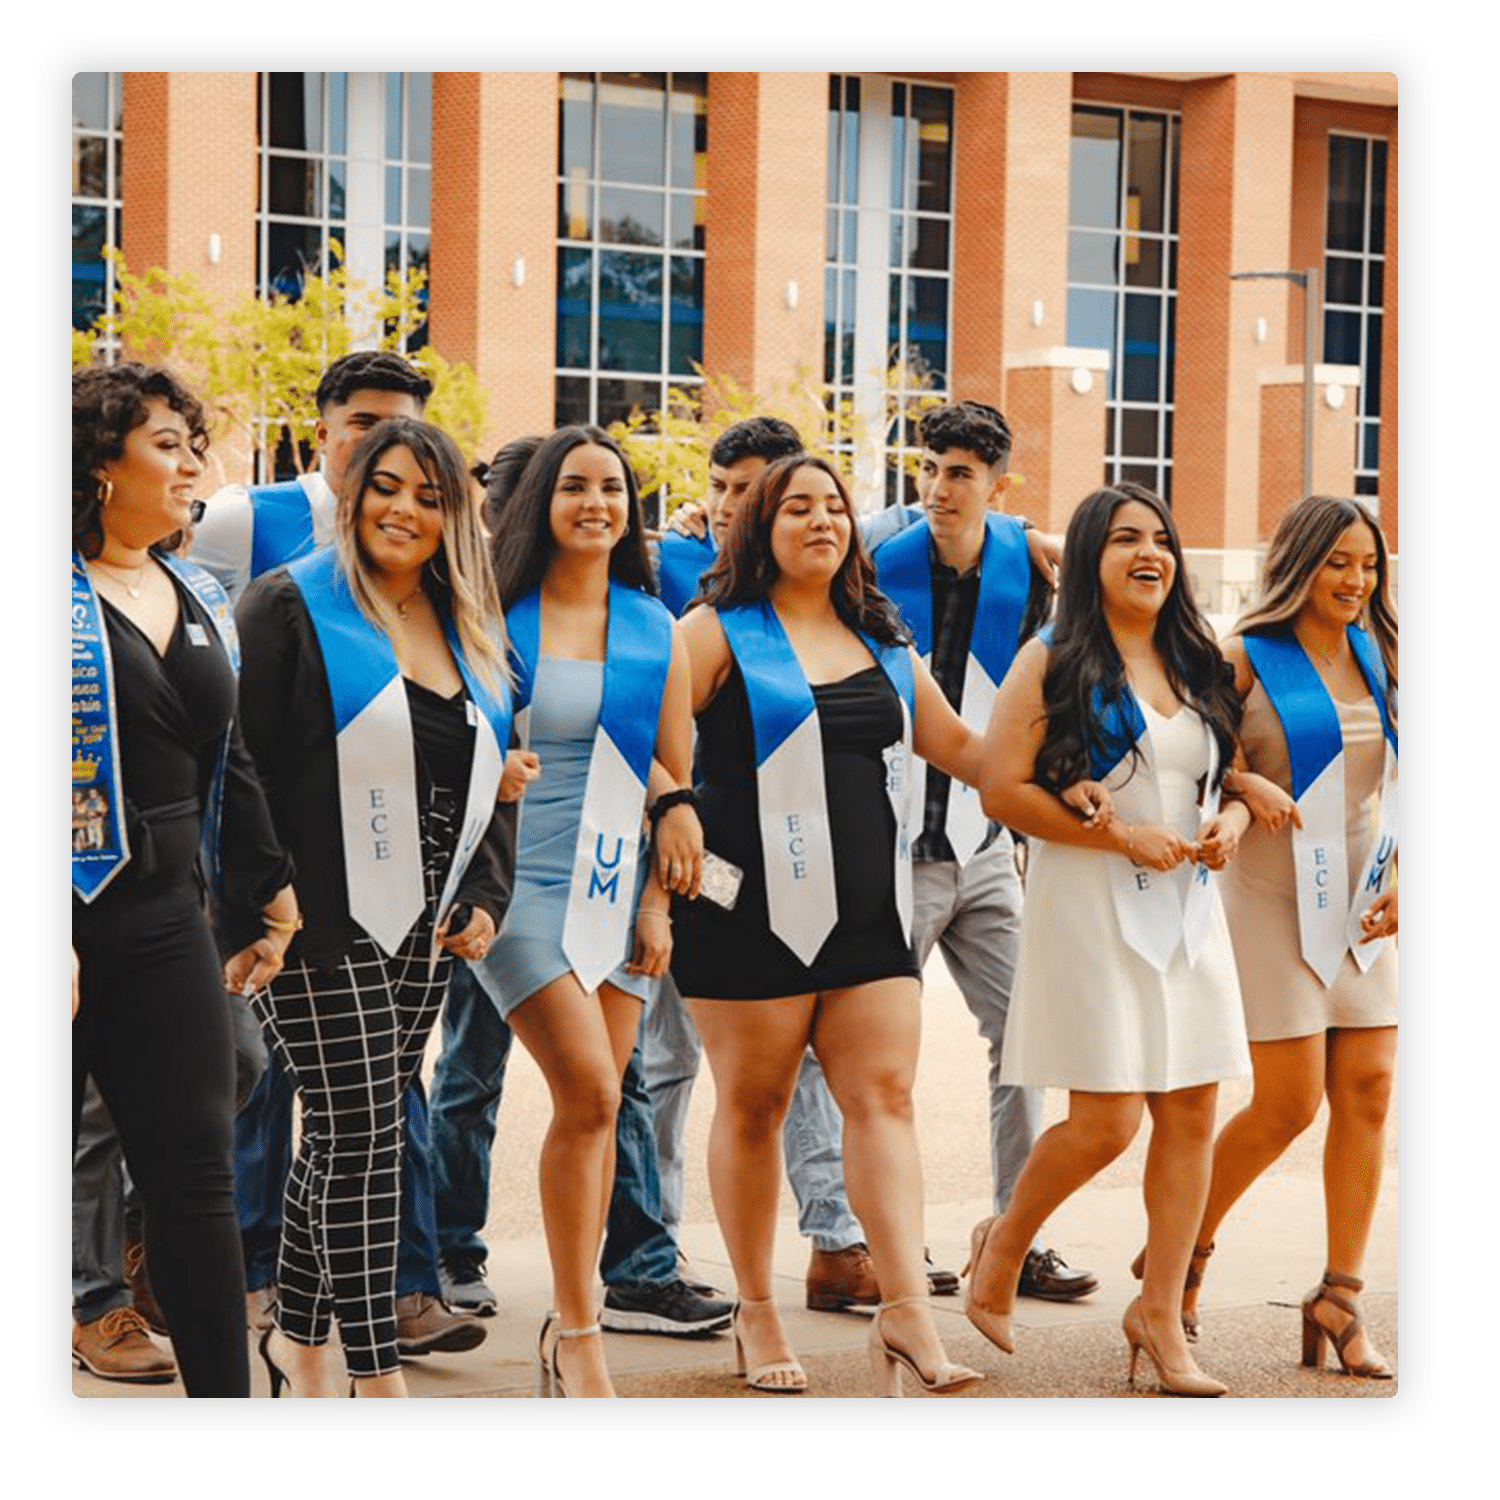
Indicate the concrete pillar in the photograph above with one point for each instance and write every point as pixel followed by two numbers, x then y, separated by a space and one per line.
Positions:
pixel 767 166
pixel 1234 215
pixel 494 189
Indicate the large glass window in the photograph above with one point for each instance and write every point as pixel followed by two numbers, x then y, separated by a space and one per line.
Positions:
pixel 632 218
pixel 887 289
pixel 313 205
pixel 1122 278
pixel 97 139
pixel 1354 284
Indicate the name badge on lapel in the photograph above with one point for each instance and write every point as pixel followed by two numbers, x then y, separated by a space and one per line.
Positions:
pixel 196 634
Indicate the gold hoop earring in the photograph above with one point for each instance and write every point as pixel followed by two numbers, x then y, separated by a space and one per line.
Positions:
pixel 106 492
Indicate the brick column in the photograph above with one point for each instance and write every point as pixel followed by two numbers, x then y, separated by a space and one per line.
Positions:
pixel 767 170
pixel 1055 401
pixel 1234 215
pixel 1281 438
pixel 188 171
pixel 494 190
pixel 1388 358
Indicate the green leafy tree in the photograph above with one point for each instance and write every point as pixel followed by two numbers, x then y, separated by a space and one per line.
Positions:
pixel 669 448
pixel 256 362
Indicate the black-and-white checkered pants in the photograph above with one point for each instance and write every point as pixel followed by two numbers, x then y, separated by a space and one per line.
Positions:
pixel 351 1040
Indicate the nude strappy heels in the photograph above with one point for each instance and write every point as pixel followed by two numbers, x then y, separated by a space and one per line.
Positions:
pixel 887 1361
pixel 1315 1334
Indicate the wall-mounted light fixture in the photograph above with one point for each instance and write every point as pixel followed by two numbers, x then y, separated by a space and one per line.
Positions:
pixel 1082 380
pixel 1333 394
pixel 215 249
pixel 1038 313
pixel 791 295
pixel 518 271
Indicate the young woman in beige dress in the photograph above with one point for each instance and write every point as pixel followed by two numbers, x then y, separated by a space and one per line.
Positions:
pixel 1326 589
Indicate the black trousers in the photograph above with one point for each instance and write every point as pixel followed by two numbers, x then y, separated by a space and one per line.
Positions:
pixel 153 1029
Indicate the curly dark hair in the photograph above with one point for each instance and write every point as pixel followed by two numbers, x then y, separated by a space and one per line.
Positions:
pixel 970 425
pixel 754 437
pixel 522 547
pixel 371 370
pixel 109 403
pixel 745 568
pixel 1085 675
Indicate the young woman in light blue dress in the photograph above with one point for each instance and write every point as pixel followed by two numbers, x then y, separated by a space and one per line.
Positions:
pixel 574 578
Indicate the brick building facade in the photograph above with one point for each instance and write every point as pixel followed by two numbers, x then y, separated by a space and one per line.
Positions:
pixel 1061 244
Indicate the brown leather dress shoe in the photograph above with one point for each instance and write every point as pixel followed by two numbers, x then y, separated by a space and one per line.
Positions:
pixel 427 1325
pixel 117 1347
pixel 839 1279
pixel 1045 1274
pixel 140 1286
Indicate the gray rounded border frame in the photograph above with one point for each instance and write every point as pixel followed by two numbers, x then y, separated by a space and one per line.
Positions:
pixel 695 1416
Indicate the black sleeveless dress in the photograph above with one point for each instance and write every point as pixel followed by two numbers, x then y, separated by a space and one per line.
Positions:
pixel 733 955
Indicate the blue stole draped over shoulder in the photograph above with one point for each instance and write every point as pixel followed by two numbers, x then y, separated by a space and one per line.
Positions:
pixel 1329 922
pixel 101 843
pixel 903 567
pixel 377 761
pixel 282 522
pixel 796 840
pixel 1158 910
pixel 637 656
pixel 681 563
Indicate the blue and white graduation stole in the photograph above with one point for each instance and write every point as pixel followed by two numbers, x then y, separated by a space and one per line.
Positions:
pixel 1327 920
pixel 98 788
pixel 1158 910
pixel 377 758
pixel 796 843
pixel 283 520
pixel 903 568
pixel 101 845
pixel 681 562
pixel 637 655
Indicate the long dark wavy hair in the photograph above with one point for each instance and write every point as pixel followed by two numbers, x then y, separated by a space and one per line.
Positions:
pixel 109 403
pixel 523 546
pixel 745 568
pixel 1302 543
pixel 1084 662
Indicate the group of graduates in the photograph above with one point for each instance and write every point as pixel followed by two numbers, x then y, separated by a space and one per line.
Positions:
pixel 370 749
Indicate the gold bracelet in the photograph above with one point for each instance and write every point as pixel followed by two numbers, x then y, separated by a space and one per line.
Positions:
pixel 272 925
pixel 1130 842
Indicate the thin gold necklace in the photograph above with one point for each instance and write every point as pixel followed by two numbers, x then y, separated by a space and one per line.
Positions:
pixel 134 590
pixel 1328 660
pixel 401 608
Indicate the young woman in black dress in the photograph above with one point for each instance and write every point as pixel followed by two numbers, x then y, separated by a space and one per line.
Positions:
pixel 157 761
pixel 792 567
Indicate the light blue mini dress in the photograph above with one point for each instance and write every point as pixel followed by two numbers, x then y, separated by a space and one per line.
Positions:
pixel 528 954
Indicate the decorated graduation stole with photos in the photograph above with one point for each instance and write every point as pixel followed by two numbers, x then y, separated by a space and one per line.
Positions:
pixel 101 841
pixel 1329 922
pixel 282 525
pixel 377 758
pixel 1158 910
pixel 637 656
pixel 903 567
pixel 681 563
pixel 796 842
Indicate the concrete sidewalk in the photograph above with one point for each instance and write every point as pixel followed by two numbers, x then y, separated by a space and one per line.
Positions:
pixel 1269 1255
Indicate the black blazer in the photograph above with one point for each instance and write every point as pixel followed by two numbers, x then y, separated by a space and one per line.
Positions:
pixel 286 716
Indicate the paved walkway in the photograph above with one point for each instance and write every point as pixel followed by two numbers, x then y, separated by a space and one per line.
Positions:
pixel 1270 1253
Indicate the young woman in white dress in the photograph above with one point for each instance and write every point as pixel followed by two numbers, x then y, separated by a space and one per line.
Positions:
pixel 1125 990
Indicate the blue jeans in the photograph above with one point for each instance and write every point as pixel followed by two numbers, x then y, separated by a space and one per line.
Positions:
pixel 263 1157
pixel 812 1136
pixel 466 1087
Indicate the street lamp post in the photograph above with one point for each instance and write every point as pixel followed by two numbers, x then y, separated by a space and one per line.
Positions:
pixel 1311 312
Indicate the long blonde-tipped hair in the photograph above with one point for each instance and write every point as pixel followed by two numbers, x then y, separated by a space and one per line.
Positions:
pixel 1303 541
pixel 459 573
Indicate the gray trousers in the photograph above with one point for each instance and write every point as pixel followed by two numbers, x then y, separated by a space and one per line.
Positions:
pixel 104 1201
pixel 812 1136
pixel 973 913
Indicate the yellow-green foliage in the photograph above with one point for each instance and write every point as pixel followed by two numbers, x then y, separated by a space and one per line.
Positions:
pixel 669 449
pixel 255 363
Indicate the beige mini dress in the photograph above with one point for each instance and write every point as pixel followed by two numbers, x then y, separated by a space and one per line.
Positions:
pixel 1283 997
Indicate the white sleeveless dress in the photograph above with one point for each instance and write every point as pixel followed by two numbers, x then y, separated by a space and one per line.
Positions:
pixel 1090 1013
